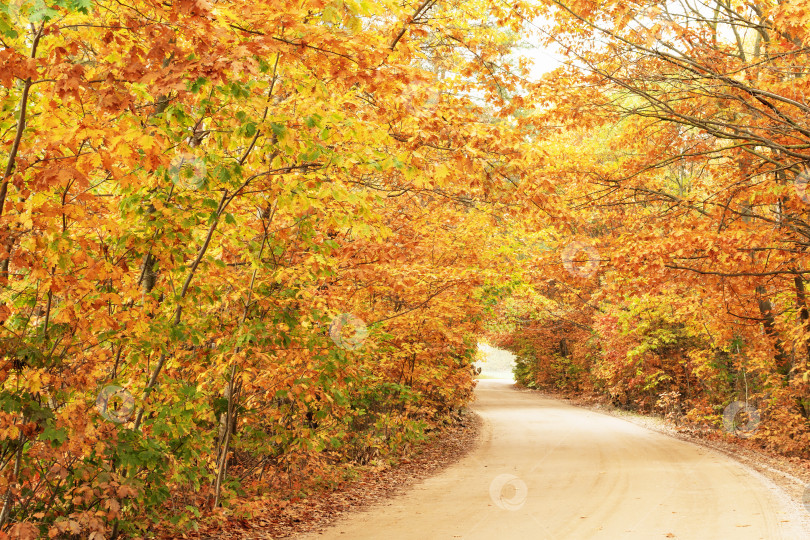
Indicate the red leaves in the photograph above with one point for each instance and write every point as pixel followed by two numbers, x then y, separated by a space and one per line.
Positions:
pixel 69 79
pixel 14 65
pixel 22 531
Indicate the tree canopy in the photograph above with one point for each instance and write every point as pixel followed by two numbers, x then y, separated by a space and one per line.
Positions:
pixel 246 248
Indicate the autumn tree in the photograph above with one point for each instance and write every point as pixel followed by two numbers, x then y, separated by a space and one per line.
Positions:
pixel 239 245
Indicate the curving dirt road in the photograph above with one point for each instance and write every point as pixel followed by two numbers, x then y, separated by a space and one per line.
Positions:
pixel 547 470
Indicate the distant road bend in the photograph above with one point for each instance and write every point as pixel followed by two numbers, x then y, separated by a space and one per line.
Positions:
pixel 548 470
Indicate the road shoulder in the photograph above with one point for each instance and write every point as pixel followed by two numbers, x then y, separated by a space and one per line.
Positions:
pixel 319 511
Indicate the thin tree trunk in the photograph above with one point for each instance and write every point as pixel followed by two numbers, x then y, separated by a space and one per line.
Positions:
pixel 783 363
pixel 15 146
pixel 228 424
pixel 6 511
pixel 804 314
pixel 233 390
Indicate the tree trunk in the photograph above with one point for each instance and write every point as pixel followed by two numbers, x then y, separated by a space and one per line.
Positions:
pixel 804 314
pixel 783 363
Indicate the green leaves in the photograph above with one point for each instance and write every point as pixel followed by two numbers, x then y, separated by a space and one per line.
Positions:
pixel 279 130
pixel 197 85
pixel 15 15
pixel 186 220
pixel 82 6
pixel 54 436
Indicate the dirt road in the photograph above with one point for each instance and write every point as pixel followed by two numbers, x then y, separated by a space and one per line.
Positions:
pixel 547 470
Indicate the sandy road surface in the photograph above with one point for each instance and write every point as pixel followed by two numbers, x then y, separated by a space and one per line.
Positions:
pixel 545 469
